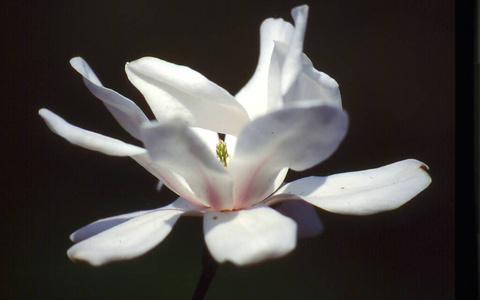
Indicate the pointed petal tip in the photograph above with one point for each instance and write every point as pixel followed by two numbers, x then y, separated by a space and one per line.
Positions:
pixel 76 59
pixel 76 257
pixel 300 9
pixel 80 65
pixel 48 116
pixel 417 164
pixel 136 65
pixel 425 170
pixel 364 192
pixel 422 165
pixel 300 14
pixel 88 139
pixel 127 240
pixel 42 111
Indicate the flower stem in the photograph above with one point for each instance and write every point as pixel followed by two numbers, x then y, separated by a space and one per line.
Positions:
pixel 209 267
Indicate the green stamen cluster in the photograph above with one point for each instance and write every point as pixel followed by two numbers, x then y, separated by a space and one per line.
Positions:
pixel 222 152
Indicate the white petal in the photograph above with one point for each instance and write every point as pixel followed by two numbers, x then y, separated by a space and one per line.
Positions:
pixel 129 238
pixel 295 137
pixel 127 113
pixel 110 146
pixel 176 146
pixel 210 138
pixel 231 142
pixel 253 96
pixel 104 224
pixel 293 61
pixel 178 91
pixel 88 139
pixel 172 180
pixel 362 192
pixel 248 236
pixel 304 214
pixel 309 84
pixel 107 223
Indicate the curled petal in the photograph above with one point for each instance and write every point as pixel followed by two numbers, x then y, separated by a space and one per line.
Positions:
pixel 253 96
pixel 248 236
pixel 314 85
pixel 292 65
pixel 362 192
pixel 176 146
pixel 178 91
pixel 88 139
pixel 283 139
pixel 127 236
pixel 309 84
pixel 126 112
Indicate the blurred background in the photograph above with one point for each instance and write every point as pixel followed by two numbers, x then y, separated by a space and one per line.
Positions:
pixel 394 61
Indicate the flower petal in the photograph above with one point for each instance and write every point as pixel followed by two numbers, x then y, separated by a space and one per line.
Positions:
pixel 253 96
pixel 309 84
pixel 167 175
pixel 248 236
pixel 295 137
pixel 176 146
pixel 104 224
pixel 88 139
pixel 126 112
pixel 210 138
pixel 362 192
pixel 178 91
pixel 107 223
pixel 304 214
pixel 130 238
pixel 110 146
pixel 231 142
pixel 292 65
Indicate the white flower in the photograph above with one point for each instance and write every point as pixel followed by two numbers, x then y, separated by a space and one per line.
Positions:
pixel 288 116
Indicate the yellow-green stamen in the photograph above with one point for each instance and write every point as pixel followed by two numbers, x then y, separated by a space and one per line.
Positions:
pixel 222 152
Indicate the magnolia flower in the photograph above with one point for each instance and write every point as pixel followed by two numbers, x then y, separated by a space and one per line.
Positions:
pixel 288 116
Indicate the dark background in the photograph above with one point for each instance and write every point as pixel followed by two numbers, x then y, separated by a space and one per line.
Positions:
pixel 394 61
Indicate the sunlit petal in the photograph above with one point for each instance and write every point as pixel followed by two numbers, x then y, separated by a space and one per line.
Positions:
pixel 292 65
pixel 88 139
pixel 174 145
pixel 254 95
pixel 127 113
pixel 178 91
pixel 310 85
pixel 283 139
pixel 132 236
pixel 249 236
pixel 362 192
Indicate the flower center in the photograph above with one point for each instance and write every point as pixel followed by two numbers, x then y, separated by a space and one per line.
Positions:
pixel 222 153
